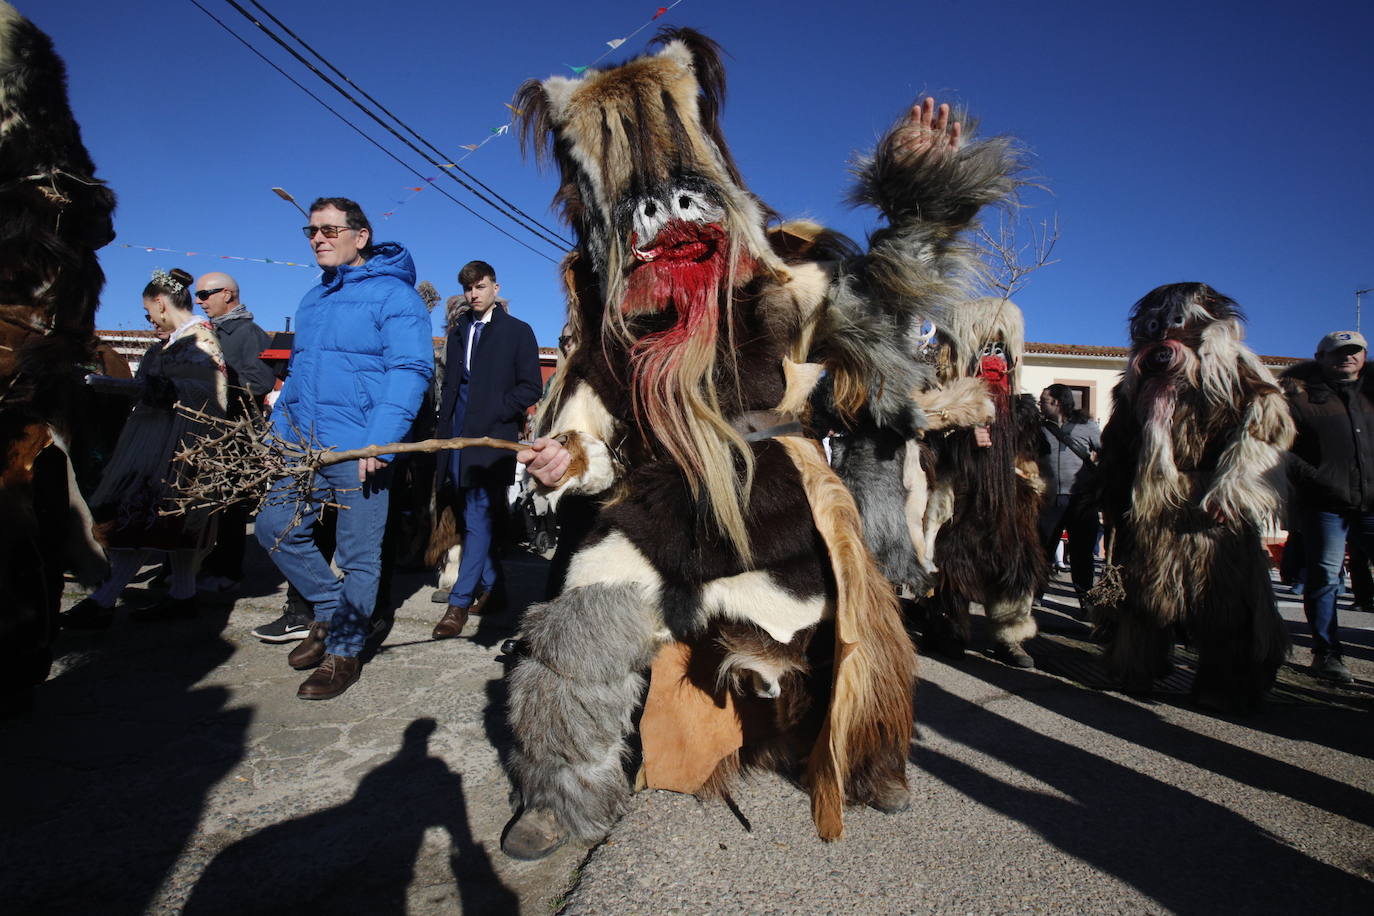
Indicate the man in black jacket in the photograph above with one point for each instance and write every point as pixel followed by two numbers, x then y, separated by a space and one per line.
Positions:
pixel 250 379
pixel 491 378
pixel 1332 463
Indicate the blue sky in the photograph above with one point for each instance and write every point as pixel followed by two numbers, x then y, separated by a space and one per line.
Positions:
pixel 1227 142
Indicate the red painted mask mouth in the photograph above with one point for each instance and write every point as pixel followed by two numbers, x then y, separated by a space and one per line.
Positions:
pixel 680 241
pixel 994 371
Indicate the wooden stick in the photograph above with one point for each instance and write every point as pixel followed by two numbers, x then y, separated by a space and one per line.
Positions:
pixel 426 445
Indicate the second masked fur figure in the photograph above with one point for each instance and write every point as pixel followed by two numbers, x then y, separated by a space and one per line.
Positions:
pixel 986 502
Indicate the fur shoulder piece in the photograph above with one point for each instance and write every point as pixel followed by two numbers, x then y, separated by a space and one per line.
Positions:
pixel 1304 371
pixel 1306 379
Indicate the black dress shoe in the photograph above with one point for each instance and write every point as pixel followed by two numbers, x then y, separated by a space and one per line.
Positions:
pixel 335 674
pixel 167 609
pixel 86 614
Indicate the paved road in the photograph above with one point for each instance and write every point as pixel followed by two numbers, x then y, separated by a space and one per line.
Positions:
pixel 169 768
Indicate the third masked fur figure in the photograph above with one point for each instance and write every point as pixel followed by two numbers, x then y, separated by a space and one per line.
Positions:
pixel 1192 458
pixel 988 492
pixel 727 554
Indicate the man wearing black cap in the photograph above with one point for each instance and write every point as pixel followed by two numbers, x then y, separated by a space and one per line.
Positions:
pixel 1332 464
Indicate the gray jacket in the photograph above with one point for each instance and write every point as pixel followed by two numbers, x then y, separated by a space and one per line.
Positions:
pixel 242 341
pixel 1063 468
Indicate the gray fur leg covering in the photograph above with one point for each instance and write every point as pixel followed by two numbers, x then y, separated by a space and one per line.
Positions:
pixel 1010 619
pixel 572 699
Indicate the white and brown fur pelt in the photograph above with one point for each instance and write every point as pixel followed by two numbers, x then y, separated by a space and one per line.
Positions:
pixel 54 214
pixel 694 319
pixel 1192 461
pixel 982 520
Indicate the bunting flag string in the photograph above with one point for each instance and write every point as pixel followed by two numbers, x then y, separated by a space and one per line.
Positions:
pixel 222 257
pixel 494 132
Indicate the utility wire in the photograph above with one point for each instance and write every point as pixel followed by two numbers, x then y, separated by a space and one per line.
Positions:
pixel 449 160
pixel 407 166
pixel 537 231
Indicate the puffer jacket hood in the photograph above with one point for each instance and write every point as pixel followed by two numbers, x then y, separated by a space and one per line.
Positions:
pixel 388 260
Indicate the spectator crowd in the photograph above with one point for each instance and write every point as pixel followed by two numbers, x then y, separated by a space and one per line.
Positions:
pixel 362 372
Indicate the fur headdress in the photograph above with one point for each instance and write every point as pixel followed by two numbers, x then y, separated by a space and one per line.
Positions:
pixel 666 227
pixel 1198 332
pixel 639 144
pixel 976 325
pixel 53 212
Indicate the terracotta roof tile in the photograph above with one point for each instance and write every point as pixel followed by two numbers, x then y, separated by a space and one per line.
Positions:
pixel 1121 352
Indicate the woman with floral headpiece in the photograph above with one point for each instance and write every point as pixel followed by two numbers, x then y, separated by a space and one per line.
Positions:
pixel 183 370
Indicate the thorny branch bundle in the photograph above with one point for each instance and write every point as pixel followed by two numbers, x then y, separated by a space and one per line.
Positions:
pixel 239 460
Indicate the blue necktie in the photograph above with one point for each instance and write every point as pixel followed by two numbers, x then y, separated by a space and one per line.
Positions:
pixel 476 336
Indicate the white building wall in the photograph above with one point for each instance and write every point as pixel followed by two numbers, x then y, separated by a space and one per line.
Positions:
pixel 1097 373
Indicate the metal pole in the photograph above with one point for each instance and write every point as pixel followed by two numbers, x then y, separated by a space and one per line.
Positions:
pixel 1358 294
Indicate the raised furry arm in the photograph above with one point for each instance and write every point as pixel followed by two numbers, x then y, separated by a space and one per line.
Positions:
pixel 929 187
pixel 935 185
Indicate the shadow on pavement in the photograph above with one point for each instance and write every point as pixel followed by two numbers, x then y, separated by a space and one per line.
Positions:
pixel 359 856
pixel 106 781
pixel 1342 729
pixel 1183 851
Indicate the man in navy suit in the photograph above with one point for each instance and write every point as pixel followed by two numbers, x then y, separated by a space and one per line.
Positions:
pixel 491 379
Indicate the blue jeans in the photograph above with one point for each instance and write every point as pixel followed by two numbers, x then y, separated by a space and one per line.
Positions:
pixel 476 571
pixel 345 605
pixel 1324 538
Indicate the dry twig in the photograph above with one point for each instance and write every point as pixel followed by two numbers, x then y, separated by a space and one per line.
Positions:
pixel 1010 264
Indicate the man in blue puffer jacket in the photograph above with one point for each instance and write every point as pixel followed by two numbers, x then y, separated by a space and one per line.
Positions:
pixel 360 364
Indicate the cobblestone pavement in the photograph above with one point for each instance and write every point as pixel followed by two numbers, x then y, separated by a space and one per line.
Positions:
pixel 169 768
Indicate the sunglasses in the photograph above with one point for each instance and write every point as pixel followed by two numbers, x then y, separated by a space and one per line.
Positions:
pixel 329 232
pixel 204 294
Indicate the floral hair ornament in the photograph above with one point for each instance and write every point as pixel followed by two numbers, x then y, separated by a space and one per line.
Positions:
pixel 166 281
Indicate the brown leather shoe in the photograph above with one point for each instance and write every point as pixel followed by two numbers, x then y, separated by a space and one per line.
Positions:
pixel 309 651
pixel 479 604
pixel 452 623
pixel 335 674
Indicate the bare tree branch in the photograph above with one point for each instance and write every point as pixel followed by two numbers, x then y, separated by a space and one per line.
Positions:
pixel 1009 264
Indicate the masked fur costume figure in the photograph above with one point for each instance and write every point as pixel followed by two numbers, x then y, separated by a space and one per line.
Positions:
pixel 727 554
pixel 985 507
pixel 1190 459
pixel 892 478
pixel 54 214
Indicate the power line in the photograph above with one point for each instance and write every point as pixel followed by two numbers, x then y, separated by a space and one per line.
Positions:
pixel 407 166
pixel 414 133
pixel 537 231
